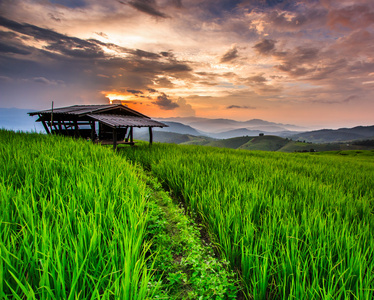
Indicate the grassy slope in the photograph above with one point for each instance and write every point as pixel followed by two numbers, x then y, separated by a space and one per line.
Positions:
pixel 230 143
pixel 73 221
pixel 197 140
pixel 296 225
pixel 176 138
pixel 356 154
pixel 265 143
pixel 78 221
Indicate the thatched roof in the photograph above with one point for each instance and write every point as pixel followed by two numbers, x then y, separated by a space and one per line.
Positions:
pixel 113 115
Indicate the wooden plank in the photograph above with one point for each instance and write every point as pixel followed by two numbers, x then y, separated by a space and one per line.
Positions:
pixel 93 131
pixel 114 138
pixel 76 129
pixel 150 135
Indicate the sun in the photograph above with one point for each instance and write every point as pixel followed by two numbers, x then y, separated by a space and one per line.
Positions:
pixel 117 96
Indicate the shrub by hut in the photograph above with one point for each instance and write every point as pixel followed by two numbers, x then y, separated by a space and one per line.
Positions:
pixel 106 124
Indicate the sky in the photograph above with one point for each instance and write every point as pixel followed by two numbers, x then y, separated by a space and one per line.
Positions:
pixel 308 63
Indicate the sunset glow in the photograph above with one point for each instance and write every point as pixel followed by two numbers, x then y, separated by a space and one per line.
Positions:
pixel 304 62
pixel 114 96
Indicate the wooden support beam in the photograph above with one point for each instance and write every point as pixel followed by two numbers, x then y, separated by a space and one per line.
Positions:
pixel 93 131
pixel 114 138
pixel 150 136
pixel 131 135
pixel 76 129
pixel 54 124
pixel 50 126
pixel 59 127
pixel 45 127
pixel 128 135
pixel 125 139
pixel 66 129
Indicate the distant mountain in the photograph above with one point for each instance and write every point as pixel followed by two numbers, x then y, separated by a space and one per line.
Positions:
pixel 203 130
pixel 178 128
pixel 248 132
pixel 18 120
pixel 235 133
pixel 336 135
pixel 210 126
pixel 259 143
pixel 173 138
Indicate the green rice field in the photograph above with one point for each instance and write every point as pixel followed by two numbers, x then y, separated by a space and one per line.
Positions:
pixel 79 221
pixel 73 221
pixel 294 226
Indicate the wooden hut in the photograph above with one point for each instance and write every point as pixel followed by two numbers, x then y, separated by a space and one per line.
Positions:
pixel 106 124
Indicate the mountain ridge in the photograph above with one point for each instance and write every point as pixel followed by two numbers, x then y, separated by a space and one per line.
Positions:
pixel 222 124
pixel 17 119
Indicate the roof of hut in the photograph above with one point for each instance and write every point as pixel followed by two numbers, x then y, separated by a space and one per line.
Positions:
pixel 113 115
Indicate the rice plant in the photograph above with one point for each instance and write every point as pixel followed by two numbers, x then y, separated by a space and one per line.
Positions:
pixel 73 221
pixel 295 226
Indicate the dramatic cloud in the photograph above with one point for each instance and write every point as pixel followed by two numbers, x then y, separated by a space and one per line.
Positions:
pixel 239 107
pixel 256 79
pixel 265 46
pixel 70 46
pixel 165 103
pixel 184 109
pixel 147 6
pixel 54 17
pixel 352 16
pixel 12 49
pixel 230 55
pixel 285 61
pixel 46 81
pixel 135 92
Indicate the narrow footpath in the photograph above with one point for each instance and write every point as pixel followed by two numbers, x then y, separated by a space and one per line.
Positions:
pixel 185 265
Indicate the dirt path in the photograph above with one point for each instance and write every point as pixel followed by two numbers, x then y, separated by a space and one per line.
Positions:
pixel 185 265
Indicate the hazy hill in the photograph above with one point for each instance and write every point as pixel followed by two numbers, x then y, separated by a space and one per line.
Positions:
pixel 263 143
pixel 267 142
pixel 211 129
pixel 245 131
pixel 173 138
pixel 222 125
pixel 178 128
pixel 18 119
pixel 338 135
pixel 233 143
pixel 235 133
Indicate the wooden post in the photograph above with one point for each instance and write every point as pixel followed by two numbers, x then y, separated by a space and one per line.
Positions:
pixel 65 128
pixel 93 131
pixel 76 131
pixel 114 138
pixel 131 135
pixel 125 139
pixel 128 135
pixel 150 136
pixel 52 117
pixel 59 127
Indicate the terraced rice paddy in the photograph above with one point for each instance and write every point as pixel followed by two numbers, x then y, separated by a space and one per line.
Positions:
pixel 73 221
pixel 294 226
pixel 78 221
pixel 81 222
